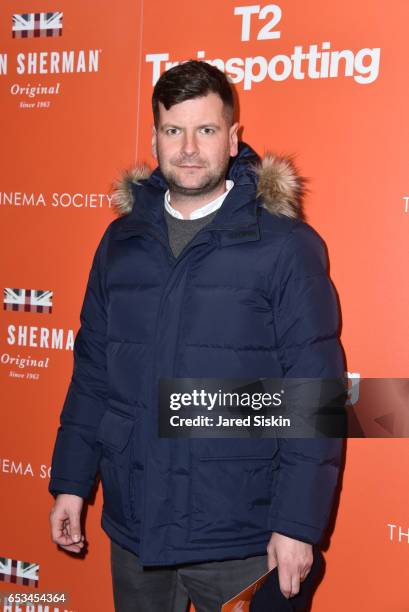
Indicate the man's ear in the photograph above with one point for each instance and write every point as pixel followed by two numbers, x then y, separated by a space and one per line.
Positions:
pixel 154 143
pixel 234 139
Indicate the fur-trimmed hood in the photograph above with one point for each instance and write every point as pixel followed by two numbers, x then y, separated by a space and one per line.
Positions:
pixel 275 178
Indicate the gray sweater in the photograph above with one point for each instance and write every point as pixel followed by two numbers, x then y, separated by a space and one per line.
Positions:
pixel 182 231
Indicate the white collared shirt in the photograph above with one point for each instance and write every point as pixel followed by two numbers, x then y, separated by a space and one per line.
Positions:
pixel 204 210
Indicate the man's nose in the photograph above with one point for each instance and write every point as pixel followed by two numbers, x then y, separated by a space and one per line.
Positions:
pixel 189 143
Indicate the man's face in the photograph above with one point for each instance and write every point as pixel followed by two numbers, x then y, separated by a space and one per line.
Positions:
pixel 193 143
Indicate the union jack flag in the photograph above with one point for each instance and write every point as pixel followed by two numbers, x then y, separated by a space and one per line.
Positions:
pixel 28 300
pixel 19 572
pixel 35 25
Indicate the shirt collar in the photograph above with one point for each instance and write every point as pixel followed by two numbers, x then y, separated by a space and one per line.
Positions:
pixel 204 210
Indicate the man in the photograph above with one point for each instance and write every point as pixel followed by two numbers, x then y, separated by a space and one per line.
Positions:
pixel 208 273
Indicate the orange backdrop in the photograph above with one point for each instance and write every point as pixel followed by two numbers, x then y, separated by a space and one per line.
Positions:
pixel 324 81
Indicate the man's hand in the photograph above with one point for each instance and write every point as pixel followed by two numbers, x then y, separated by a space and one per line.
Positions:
pixel 65 522
pixel 294 560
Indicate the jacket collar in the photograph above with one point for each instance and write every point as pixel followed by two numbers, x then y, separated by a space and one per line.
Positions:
pixel 271 182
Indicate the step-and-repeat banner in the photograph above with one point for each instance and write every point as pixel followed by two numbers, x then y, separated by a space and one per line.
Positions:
pixel 325 82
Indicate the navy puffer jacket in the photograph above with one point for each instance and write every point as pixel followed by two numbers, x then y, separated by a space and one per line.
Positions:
pixel 248 297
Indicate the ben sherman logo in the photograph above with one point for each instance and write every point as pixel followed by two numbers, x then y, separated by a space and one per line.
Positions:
pixel 35 25
pixel 38 301
pixel 40 337
pixel 29 300
pixel 27 63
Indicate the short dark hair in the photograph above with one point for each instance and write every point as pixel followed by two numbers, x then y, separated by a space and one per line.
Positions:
pixel 192 79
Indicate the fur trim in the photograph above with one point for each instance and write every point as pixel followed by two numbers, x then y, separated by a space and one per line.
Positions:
pixel 122 198
pixel 279 185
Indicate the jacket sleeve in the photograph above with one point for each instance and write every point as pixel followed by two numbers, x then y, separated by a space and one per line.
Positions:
pixel 306 322
pixel 76 455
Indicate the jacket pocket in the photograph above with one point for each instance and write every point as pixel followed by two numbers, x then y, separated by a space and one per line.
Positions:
pixel 232 485
pixel 114 431
pixel 114 434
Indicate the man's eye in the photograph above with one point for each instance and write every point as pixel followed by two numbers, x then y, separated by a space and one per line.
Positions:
pixel 172 131
pixel 208 130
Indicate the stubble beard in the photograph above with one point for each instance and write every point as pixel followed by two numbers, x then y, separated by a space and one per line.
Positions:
pixel 210 181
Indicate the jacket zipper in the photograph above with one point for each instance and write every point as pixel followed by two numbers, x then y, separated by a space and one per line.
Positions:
pixel 173 262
